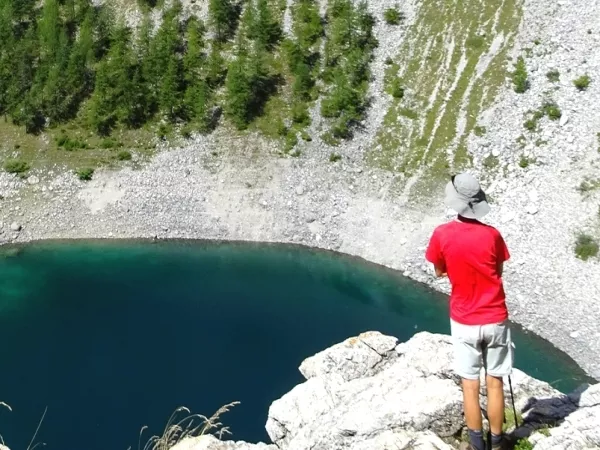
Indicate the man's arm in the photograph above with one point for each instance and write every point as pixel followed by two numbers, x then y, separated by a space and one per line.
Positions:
pixel 435 256
pixel 502 254
pixel 500 268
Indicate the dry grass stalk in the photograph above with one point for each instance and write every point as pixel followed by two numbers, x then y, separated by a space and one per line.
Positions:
pixel 29 447
pixel 191 425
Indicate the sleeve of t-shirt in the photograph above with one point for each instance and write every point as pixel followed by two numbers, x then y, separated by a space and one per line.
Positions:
pixel 434 252
pixel 501 249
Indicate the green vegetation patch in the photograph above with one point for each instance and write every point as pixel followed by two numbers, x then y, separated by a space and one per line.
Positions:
pixel 519 76
pixel 393 16
pixel 553 76
pixel 348 54
pixel 16 166
pixel 452 62
pixel 85 174
pixel 586 247
pixel 582 83
pixel 589 184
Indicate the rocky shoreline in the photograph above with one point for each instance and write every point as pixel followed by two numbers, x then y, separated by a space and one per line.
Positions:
pixel 231 187
pixel 370 392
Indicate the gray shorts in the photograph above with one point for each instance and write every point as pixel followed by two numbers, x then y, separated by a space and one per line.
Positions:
pixel 476 346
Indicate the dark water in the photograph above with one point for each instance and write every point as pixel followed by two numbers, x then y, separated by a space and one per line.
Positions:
pixel 114 336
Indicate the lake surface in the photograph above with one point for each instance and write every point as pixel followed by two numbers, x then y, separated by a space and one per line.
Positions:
pixel 112 336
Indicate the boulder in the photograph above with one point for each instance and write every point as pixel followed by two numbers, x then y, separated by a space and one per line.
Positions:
pixel 209 442
pixel 15 226
pixel 363 388
pixel 371 393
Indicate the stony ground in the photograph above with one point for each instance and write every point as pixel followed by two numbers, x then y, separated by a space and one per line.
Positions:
pixel 226 186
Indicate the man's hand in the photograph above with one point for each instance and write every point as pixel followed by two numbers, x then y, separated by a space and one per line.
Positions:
pixel 440 272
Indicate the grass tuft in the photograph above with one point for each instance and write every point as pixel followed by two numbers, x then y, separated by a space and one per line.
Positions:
pixel 16 166
pixel 188 426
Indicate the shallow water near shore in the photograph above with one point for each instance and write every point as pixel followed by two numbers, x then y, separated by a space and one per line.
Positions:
pixel 111 336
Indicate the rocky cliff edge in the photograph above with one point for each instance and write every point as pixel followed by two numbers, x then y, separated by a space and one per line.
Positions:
pixel 372 393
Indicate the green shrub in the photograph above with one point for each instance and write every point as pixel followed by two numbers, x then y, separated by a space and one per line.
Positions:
pixel 16 166
pixel 553 76
pixel 519 76
pixel 109 143
pixel 334 157
pixel 586 247
pixel 300 114
pixel 552 110
pixel 475 42
pixel 530 124
pixel 85 174
pixel 523 444
pixel 490 162
pixel 393 16
pixel 69 144
pixel 409 113
pixel 479 131
pixel 124 155
pixel 589 184
pixel 290 141
pixel 524 162
pixel 582 83
pixel 396 88
pixel 329 139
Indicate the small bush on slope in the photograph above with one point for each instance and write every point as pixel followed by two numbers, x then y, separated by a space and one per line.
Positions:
pixel 519 76
pixel 586 247
pixel 393 16
pixel 582 83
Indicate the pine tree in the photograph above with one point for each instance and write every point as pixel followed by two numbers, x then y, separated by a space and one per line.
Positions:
pixel 265 29
pixel 161 69
pixel 49 31
pixel 7 44
pixel 79 73
pixel 223 17
pixel 194 58
pixel 23 9
pixel 238 91
pixel 54 95
pixel 20 81
pixel 216 70
pixel 118 95
pixel 170 98
pixel 197 93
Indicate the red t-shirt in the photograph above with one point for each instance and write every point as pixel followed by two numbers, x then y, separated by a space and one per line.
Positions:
pixel 469 252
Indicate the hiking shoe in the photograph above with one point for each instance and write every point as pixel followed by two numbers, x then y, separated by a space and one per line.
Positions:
pixel 465 446
pixel 503 445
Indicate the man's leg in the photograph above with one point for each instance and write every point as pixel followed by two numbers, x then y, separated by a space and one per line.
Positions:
pixel 495 403
pixel 471 403
pixel 467 364
pixel 499 363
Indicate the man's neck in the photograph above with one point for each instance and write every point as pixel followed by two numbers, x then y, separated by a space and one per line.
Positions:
pixel 460 218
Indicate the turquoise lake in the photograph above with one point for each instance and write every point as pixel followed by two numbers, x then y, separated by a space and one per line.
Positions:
pixel 111 336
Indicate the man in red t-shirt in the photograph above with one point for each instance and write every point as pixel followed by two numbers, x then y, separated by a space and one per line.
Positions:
pixel 471 254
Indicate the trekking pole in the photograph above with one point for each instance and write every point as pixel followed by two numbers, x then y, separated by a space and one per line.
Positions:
pixel 512 398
